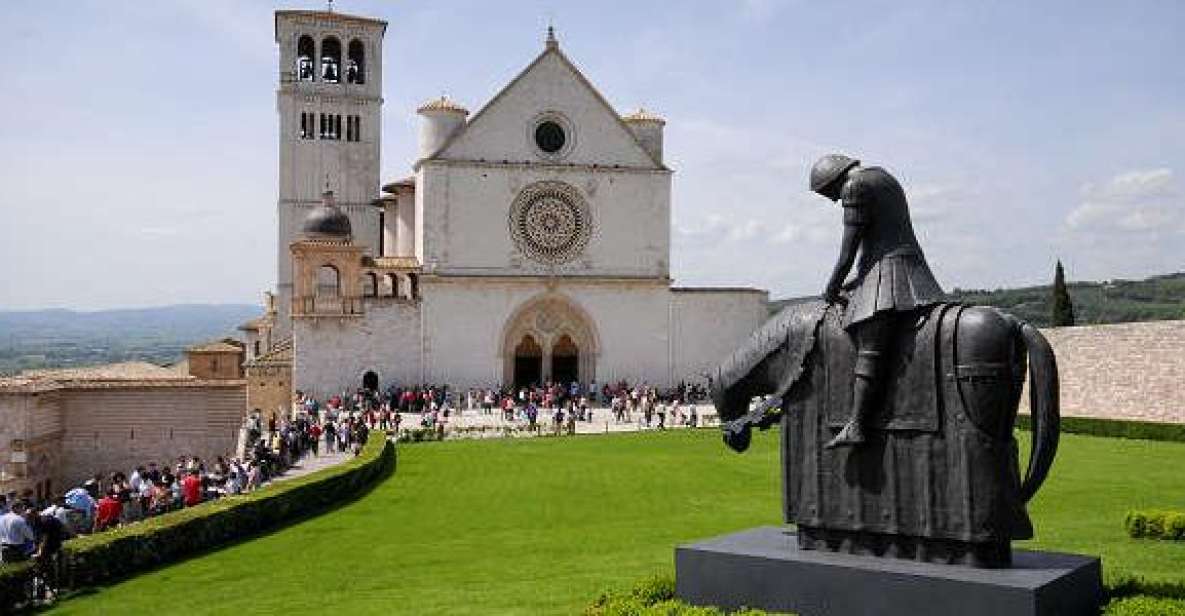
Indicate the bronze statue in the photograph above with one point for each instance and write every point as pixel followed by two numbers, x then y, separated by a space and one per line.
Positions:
pixel 927 390
pixel 892 282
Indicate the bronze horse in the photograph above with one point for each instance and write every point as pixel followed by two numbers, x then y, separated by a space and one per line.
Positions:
pixel 938 479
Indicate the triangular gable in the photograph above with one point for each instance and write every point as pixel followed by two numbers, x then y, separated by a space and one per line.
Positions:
pixel 500 130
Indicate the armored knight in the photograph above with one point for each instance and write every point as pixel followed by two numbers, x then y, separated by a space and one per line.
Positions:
pixel 892 279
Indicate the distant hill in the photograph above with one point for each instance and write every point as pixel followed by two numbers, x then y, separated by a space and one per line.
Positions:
pixel 1157 298
pixel 59 338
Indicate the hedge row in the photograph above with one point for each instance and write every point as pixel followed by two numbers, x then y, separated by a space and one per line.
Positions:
pixel 1115 428
pixel 109 556
pixel 655 596
pixel 1156 525
pixel 1127 596
pixel 1144 605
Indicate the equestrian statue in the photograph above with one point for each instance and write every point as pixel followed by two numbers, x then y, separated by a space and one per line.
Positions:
pixel 896 407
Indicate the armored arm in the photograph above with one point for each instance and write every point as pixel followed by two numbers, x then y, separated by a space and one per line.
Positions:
pixel 855 216
pixel 843 265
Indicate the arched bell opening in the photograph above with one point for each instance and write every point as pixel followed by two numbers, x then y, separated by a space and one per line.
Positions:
pixel 305 52
pixel 355 63
pixel 331 60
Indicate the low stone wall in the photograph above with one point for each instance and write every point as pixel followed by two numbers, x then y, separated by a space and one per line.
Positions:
pixel 1121 371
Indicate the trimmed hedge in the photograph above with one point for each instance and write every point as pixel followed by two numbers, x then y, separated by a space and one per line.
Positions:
pixel 1168 525
pixel 114 554
pixel 1145 606
pixel 655 596
pixel 1115 428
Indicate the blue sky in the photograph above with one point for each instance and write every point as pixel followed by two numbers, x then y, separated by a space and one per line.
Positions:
pixel 138 155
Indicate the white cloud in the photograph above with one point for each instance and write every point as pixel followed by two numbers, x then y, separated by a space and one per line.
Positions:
pixel 1136 202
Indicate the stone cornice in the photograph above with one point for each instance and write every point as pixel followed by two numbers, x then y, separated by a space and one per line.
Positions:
pixel 535 280
pixel 535 164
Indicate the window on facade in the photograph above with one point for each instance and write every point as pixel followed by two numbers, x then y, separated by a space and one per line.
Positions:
pixel 550 137
pixel 304 58
pixel 306 125
pixel 337 127
pixel 331 60
pixel 328 282
pixel 355 63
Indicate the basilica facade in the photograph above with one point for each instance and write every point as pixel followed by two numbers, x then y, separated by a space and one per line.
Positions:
pixel 531 242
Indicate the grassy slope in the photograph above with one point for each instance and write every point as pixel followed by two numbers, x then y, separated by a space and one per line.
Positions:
pixel 539 526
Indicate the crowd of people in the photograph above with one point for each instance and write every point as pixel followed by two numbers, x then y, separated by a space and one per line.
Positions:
pixel 561 405
pixel 29 527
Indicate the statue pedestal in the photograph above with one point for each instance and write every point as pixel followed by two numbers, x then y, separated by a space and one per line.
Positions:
pixel 764 568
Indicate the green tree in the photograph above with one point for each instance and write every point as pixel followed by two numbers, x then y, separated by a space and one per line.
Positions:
pixel 1063 307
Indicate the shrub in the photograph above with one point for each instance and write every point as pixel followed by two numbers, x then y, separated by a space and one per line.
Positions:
pixel 1115 428
pixel 1168 525
pixel 157 541
pixel 1136 524
pixel 654 596
pixel 1143 605
pixel 13 578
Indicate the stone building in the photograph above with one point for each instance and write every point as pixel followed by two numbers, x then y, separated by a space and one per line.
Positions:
pixel 531 242
pixel 60 427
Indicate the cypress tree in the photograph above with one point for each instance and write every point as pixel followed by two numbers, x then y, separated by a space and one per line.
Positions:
pixel 1063 307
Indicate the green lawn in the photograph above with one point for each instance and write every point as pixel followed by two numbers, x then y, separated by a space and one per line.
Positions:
pixel 541 525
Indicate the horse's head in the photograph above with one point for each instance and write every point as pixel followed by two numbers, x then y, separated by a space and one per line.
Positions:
pixel 775 353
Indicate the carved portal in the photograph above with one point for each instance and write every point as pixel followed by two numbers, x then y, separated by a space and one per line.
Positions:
pixel 559 332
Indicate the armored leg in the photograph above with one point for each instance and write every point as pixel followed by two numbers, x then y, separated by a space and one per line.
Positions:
pixel 873 339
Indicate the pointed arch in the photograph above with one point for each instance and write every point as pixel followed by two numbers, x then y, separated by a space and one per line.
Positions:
pixel 557 323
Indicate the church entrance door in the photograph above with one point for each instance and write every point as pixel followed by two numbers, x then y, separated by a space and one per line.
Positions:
pixel 528 362
pixel 370 381
pixel 565 361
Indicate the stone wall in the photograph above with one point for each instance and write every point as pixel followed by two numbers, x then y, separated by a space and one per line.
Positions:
pixel 331 354
pixel 709 324
pixel 269 390
pixel 1122 371
pixel 110 429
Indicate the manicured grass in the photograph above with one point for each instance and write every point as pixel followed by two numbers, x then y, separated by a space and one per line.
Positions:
pixel 540 526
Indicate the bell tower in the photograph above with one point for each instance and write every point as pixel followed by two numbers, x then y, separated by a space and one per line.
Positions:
pixel 330 101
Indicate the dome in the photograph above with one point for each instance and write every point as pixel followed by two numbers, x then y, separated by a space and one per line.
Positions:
pixel 642 115
pixel 443 103
pixel 327 221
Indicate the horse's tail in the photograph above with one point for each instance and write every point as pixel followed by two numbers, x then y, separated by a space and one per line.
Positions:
pixel 1044 407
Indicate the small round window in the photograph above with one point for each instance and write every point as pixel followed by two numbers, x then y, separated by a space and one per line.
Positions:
pixel 550 137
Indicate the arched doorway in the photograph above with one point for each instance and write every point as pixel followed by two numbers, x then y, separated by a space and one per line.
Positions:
pixel 565 361
pixel 562 332
pixel 528 362
pixel 370 381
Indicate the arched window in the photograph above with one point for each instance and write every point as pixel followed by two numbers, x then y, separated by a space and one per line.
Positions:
pixel 328 282
pixel 304 58
pixel 390 286
pixel 355 63
pixel 370 284
pixel 331 60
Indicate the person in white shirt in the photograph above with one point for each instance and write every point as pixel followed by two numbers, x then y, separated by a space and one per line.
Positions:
pixel 16 538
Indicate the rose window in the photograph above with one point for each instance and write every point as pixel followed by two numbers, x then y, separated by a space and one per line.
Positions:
pixel 550 222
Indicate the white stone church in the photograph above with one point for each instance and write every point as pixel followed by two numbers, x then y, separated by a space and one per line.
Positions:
pixel 531 242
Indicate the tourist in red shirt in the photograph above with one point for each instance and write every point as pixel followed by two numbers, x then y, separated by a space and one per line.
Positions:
pixel 109 511
pixel 191 489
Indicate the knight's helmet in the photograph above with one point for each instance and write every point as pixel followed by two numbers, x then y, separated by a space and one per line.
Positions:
pixel 828 169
